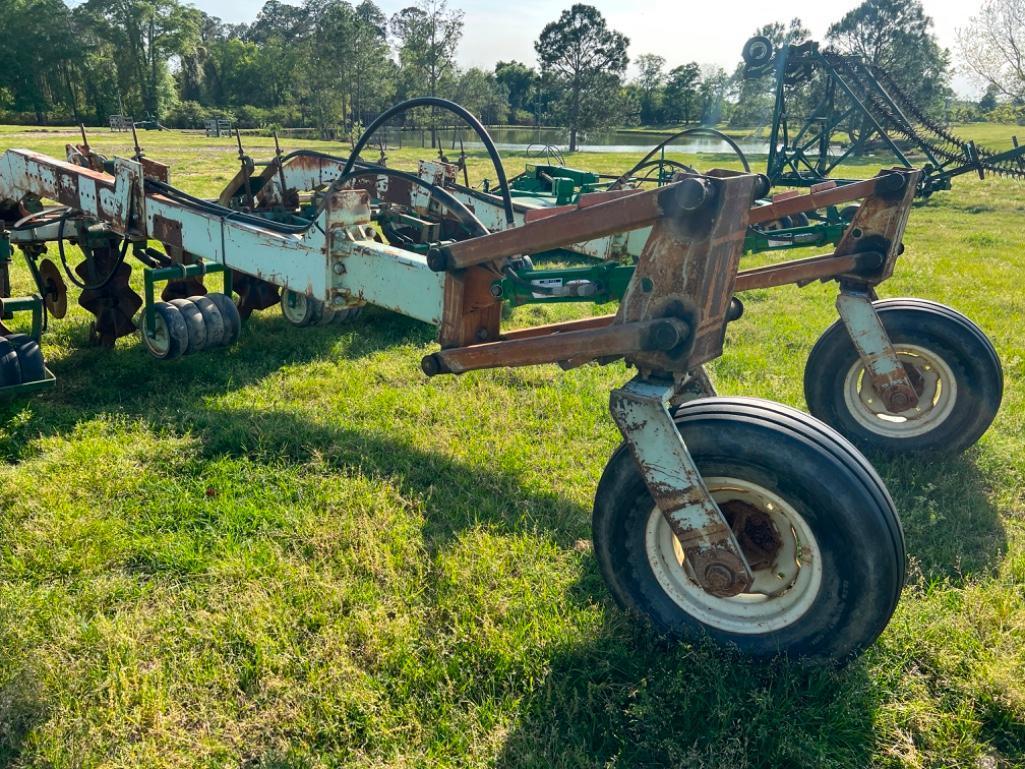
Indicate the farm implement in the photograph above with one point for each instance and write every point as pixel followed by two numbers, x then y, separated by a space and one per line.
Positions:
pixel 733 518
pixel 819 92
pixel 945 382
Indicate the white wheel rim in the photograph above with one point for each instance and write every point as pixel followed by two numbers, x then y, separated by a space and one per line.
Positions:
pixel 294 306
pixel 781 593
pixel 935 402
pixel 160 341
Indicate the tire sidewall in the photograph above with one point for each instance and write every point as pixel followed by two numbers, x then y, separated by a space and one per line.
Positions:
pixel 31 365
pixel 230 315
pixel 194 322
pixel 176 328
pixel 212 319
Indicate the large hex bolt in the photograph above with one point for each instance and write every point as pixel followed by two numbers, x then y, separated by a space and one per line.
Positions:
pixel 719 579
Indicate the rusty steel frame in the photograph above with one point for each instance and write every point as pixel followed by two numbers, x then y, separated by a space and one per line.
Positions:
pixel 338 261
pixel 672 319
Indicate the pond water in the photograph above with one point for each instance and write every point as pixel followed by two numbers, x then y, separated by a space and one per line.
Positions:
pixel 523 139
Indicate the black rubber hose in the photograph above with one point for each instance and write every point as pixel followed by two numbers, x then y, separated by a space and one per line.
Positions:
pixel 455 109
pixel 698 131
pixel 181 196
pixel 113 270
pixel 466 217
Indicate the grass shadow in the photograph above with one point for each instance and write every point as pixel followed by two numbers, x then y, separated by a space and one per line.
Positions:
pixel 956 540
pixel 628 697
pixel 457 494
pixel 127 380
pixel 21 709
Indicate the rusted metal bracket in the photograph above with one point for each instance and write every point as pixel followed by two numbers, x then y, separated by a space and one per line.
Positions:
pixel 879 224
pixel 889 377
pixel 694 385
pixel 613 341
pixel 129 198
pixel 715 560
pixel 688 268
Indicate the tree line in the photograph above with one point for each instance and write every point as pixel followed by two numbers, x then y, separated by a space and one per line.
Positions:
pixel 333 65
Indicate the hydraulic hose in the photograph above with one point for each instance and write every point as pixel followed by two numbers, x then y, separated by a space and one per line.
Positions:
pixel 697 131
pixel 456 109
pixel 113 270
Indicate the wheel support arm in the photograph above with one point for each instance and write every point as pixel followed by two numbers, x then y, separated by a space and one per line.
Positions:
pixel 640 410
pixel 888 375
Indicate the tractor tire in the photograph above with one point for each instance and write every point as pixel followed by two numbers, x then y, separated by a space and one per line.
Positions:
pixel 829 580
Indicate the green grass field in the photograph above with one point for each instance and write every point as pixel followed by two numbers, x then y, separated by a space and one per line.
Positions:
pixel 302 553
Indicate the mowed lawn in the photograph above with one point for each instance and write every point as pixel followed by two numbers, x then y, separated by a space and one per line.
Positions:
pixel 301 552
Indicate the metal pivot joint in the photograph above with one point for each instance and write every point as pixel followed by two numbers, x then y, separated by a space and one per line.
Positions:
pixel 889 376
pixel 640 410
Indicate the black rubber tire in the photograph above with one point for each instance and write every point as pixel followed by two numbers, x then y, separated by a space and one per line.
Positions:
pixel 230 316
pixel 211 319
pixel 935 327
pixel 194 323
pixel 174 327
pixel 310 313
pixel 347 314
pixel 814 469
pixel 10 368
pixel 327 315
pixel 757 52
pixel 30 357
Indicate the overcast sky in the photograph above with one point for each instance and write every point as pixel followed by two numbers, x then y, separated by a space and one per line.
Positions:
pixel 680 30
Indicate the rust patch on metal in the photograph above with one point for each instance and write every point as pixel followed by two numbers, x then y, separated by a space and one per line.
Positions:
pixel 67 191
pixel 151 169
pixel 167 231
pixel 718 570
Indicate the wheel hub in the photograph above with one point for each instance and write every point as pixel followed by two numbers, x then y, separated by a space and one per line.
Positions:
pixel 784 557
pixel 903 412
pixel 757 535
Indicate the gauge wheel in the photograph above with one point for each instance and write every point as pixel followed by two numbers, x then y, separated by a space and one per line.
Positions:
pixel 30 357
pixel 814 520
pixel 170 337
pixel 300 309
pixel 951 363
pixel 212 320
pixel 757 52
pixel 229 315
pixel 10 368
pixel 194 322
